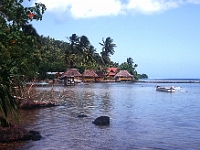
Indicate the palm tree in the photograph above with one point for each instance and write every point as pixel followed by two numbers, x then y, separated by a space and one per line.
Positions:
pixel 89 56
pixel 74 41
pixel 84 44
pixel 130 61
pixel 87 52
pixel 107 49
pixel 70 55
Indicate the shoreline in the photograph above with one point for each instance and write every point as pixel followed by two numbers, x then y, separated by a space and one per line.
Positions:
pixel 43 84
pixel 170 81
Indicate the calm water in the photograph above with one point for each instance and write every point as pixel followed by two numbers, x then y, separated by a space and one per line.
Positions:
pixel 141 118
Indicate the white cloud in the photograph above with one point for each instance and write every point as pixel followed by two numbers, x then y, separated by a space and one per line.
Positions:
pixel 96 8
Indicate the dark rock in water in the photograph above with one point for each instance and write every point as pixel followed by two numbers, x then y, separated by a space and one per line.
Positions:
pixel 34 132
pixel 35 135
pixel 10 133
pixel 82 116
pixel 102 120
pixel 13 133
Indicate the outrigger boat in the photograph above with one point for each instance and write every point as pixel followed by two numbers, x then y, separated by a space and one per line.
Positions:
pixel 165 89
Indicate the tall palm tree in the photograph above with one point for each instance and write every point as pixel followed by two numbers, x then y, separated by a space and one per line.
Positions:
pixel 84 44
pixel 71 53
pixel 74 41
pixel 87 52
pixel 107 49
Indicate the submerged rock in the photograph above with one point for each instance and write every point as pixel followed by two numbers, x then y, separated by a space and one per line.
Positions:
pixel 82 116
pixel 10 133
pixel 102 120
pixel 35 135
pixel 15 133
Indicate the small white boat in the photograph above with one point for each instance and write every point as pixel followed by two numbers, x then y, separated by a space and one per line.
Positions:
pixel 165 89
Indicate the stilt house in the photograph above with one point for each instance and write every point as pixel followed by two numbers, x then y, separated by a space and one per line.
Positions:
pixel 71 76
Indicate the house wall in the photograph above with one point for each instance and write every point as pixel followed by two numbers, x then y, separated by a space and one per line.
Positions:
pixel 99 79
pixel 110 78
pixel 77 79
pixel 124 79
pixel 88 79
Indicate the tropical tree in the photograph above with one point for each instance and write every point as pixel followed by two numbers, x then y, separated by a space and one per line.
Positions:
pixel 99 62
pixel 81 53
pixel 130 61
pixel 142 76
pixel 70 54
pixel 107 50
pixel 114 64
pixel 52 56
pixel 18 49
pixel 130 66
pixel 87 53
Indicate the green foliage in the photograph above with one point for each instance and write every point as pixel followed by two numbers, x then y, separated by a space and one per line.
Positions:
pixel 107 50
pixel 18 50
pixel 142 76
pixel 81 54
pixel 130 66
pixel 78 53
pixel 52 56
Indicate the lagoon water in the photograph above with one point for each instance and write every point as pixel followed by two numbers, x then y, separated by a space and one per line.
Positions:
pixel 140 118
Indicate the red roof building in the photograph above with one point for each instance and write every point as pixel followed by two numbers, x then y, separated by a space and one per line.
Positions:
pixel 111 72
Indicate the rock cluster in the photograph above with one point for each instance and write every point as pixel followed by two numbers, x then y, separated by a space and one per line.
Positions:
pixel 10 133
pixel 14 133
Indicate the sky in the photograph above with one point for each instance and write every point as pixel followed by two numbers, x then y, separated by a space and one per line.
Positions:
pixel 161 36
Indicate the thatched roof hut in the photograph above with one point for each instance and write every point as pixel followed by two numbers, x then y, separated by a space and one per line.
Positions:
pixel 89 76
pixel 123 75
pixel 71 76
pixel 89 73
pixel 73 72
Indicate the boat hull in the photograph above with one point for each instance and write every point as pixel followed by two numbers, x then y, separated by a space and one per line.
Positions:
pixel 164 89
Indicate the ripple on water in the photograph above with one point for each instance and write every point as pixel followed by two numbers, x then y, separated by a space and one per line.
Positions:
pixel 141 118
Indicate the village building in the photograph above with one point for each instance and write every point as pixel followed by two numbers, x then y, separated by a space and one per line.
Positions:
pixel 123 75
pixel 89 76
pixel 101 76
pixel 71 76
pixel 111 72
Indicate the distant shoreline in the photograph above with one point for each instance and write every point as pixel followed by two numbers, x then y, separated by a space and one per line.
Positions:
pixel 170 81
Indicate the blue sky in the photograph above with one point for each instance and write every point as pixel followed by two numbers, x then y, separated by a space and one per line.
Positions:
pixel 162 36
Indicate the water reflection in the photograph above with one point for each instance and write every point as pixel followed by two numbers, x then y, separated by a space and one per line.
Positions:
pixel 141 118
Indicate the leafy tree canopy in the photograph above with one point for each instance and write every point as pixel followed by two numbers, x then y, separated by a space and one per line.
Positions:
pixel 18 48
pixel 130 66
